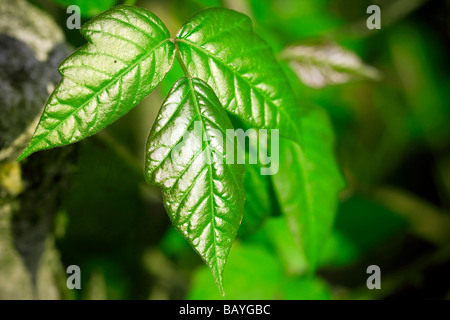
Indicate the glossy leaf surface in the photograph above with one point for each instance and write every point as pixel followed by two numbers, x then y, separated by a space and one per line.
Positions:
pixel 185 156
pixel 220 47
pixel 127 56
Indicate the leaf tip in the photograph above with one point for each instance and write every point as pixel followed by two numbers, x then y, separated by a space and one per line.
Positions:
pixel 221 290
pixel 22 156
pixel 30 149
pixel 219 282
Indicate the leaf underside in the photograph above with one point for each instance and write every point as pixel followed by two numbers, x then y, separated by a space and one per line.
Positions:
pixel 220 47
pixel 203 195
pixel 128 54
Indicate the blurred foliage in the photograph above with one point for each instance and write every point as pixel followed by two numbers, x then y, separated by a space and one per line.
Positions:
pixel 393 144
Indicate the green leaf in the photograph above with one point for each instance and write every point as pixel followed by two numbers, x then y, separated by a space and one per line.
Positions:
pixel 128 54
pixel 220 47
pixel 289 251
pixel 325 64
pixel 309 201
pixel 185 156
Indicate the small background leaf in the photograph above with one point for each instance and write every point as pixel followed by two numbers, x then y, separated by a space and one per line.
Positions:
pixel 220 47
pixel 326 64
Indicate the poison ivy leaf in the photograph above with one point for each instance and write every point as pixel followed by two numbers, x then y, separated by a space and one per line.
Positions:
pixel 128 54
pixel 220 47
pixel 309 201
pixel 185 156
pixel 324 64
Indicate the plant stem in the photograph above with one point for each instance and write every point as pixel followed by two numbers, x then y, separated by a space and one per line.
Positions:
pixel 180 61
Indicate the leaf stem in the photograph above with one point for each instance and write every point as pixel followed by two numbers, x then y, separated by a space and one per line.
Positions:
pixel 180 60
